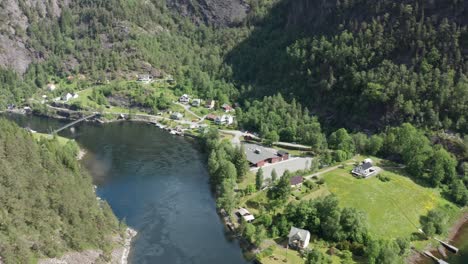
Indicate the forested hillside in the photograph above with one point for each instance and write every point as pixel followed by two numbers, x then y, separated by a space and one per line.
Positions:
pixel 48 206
pixel 363 64
pixel 385 62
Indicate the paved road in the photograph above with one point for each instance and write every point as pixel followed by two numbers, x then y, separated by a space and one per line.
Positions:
pixel 293 164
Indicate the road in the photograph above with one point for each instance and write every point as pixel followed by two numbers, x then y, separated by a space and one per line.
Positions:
pixel 292 145
pixel 293 164
pixel 187 108
pixel 152 117
pixel 237 135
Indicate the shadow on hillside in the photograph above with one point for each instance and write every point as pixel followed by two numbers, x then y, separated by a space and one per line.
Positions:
pixel 262 60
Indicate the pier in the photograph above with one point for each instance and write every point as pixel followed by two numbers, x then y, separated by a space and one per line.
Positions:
pixel 448 246
pixel 440 261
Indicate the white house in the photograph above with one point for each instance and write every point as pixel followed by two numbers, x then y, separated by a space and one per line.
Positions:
pixel 145 78
pixel 224 119
pixel 245 214
pixel 75 95
pixel 67 97
pixel 298 238
pixel 184 99
pixel 365 169
pixel 176 116
pixel 196 102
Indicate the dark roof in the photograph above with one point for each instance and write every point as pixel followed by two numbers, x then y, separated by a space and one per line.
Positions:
pixel 296 180
pixel 366 165
pixel 256 153
pixel 282 152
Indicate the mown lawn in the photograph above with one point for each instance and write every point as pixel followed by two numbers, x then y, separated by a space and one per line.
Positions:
pixel 393 207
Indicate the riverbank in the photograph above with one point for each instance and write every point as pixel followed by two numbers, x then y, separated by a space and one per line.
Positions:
pixel 118 256
pixel 452 237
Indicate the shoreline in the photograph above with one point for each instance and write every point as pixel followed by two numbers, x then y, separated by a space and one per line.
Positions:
pixel 454 231
pixel 130 234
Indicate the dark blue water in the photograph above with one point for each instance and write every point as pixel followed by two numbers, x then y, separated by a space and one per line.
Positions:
pixel 158 183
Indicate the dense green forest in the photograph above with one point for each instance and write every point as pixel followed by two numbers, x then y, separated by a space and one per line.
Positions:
pixel 363 64
pixel 48 201
pixel 359 64
pixel 345 77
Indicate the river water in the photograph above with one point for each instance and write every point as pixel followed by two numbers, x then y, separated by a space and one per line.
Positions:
pixel 158 184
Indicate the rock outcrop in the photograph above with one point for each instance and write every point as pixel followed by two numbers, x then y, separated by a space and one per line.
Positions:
pixel 15 18
pixel 214 12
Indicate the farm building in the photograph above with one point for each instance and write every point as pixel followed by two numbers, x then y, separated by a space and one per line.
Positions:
pixel 298 238
pixel 365 169
pixel 283 154
pixel 258 155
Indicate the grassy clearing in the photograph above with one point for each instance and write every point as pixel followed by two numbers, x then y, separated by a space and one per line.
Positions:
pixel 62 140
pixel 393 207
pixel 290 256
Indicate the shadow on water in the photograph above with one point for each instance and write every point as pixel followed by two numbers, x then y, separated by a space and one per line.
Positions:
pixel 159 184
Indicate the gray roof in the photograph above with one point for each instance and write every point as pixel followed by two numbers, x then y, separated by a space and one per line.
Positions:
pixel 297 233
pixel 256 153
pixel 365 166
pixel 296 180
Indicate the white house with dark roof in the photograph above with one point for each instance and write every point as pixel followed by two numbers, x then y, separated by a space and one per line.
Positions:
pixel 365 169
pixel 184 99
pixel 224 119
pixel 298 238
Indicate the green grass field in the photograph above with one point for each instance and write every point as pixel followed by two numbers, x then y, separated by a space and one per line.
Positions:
pixel 393 207
pixel 61 140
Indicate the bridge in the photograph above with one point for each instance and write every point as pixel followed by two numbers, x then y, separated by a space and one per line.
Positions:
pixel 73 123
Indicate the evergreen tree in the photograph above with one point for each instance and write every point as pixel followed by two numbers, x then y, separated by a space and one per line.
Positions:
pixel 259 179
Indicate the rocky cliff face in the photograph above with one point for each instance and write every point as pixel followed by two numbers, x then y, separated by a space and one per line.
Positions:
pixel 215 12
pixel 15 17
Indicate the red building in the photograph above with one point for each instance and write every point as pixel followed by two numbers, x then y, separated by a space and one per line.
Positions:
pixel 259 156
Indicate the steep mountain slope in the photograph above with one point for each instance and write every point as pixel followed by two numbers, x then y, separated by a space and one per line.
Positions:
pixel 15 18
pixel 219 13
pixel 363 64
pixel 48 206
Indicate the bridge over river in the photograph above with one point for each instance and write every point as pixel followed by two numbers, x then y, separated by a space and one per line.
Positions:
pixel 74 123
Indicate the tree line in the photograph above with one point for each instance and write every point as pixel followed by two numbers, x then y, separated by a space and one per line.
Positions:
pixel 48 202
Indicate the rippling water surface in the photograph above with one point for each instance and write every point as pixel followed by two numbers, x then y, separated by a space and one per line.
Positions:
pixel 158 183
